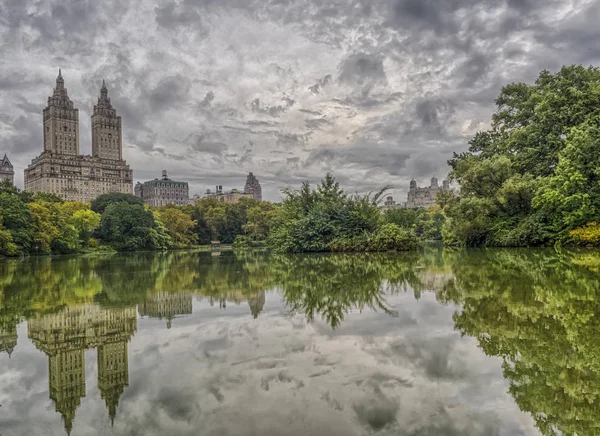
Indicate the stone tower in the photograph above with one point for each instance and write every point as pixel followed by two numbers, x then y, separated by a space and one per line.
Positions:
pixel 7 171
pixel 253 187
pixel 434 182
pixel 61 122
pixel 106 129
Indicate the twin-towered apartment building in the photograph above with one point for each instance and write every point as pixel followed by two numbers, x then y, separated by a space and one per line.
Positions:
pixel 61 170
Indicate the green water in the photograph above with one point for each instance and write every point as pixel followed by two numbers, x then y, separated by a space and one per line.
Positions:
pixel 477 342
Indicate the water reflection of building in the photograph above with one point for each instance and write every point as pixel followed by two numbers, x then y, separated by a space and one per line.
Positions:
pixel 8 339
pixel 256 304
pixel 65 336
pixel 167 305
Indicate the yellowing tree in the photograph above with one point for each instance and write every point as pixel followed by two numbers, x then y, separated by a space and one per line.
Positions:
pixel 179 225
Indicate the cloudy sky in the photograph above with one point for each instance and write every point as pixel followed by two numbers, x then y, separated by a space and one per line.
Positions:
pixel 377 92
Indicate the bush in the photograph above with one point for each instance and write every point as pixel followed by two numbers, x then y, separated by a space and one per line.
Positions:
pixel 392 237
pixel 100 203
pixel 588 235
pixel 242 242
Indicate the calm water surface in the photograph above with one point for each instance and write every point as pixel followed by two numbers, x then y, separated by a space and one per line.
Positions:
pixel 481 342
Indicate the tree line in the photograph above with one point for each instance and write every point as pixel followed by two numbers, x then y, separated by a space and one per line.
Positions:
pixel 308 220
pixel 45 224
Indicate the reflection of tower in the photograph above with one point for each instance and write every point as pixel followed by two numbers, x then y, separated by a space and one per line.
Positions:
pixel 67 383
pixel 113 374
pixel 256 304
pixel 8 339
pixel 65 336
pixel 167 305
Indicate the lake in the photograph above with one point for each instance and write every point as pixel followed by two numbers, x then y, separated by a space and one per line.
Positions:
pixel 439 342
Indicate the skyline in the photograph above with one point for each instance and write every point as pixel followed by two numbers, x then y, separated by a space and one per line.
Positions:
pixel 377 94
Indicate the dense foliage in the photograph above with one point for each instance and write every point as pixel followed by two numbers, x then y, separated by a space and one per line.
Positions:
pixel 224 221
pixel 426 223
pixel 535 175
pixel 45 224
pixel 42 224
pixel 328 219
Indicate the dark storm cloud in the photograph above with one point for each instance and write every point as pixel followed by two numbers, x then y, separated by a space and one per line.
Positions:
pixel 413 79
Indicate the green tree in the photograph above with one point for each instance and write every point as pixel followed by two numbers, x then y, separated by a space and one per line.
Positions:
pixel 179 225
pixel 16 216
pixel 327 219
pixel 571 196
pixel 129 227
pixel 533 176
pixel 259 219
pixel 100 203
pixel 7 246
pixel 85 221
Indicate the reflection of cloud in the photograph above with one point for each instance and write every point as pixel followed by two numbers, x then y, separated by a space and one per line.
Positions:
pixel 226 373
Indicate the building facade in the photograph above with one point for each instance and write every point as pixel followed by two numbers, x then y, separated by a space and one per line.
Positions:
pixel 425 197
pixel 389 203
pixel 164 191
pixel 61 169
pixel 232 196
pixel 253 187
pixel 7 172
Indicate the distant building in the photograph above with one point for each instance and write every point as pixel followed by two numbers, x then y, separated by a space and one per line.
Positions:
pixel 232 196
pixel 389 203
pixel 162 192
pixel 253 187
pixel 425 197
pixel 7 172
pixel 61 170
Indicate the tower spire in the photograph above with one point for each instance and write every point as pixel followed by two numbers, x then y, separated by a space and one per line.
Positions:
pixel 60 82
pixel 103 91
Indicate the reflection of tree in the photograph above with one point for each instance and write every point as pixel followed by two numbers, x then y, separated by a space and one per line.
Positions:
pixel 540 313
pixel 332 285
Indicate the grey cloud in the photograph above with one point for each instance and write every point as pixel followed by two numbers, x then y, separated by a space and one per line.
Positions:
pixel 171 15
pixel 169 92
pixel 274 111
pixel 315 123
pixel 208 98
pixel 201 143
pixel 321 83
pixel 365 156
pixel 363 71
pixel 434 114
